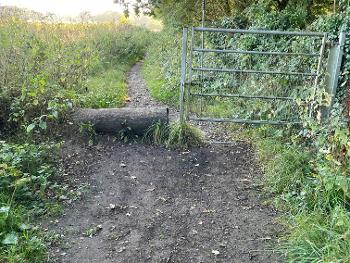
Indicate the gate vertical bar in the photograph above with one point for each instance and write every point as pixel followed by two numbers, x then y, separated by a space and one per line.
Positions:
pixel 318 73
pixel 190 74
pixel 183 74
pixel 204 3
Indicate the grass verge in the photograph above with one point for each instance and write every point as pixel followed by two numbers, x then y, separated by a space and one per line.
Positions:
pixel 315 217
pixel 108 89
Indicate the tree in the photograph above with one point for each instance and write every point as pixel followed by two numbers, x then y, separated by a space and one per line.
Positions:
pixel 185 11
pixel 188 12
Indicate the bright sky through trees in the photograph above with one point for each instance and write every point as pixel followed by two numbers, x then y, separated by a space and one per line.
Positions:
pixel 65 7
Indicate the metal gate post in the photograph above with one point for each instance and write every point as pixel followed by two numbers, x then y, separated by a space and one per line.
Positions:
pixel 183 74
pixel 333 71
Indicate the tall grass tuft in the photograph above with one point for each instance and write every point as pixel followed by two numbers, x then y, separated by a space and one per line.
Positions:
pixel 175 136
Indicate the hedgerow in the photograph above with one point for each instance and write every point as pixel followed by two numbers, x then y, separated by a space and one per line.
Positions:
pixel 307 167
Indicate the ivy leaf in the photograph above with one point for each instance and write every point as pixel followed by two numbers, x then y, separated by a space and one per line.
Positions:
pixel 42 125
pixel 10 239
pixel 30 127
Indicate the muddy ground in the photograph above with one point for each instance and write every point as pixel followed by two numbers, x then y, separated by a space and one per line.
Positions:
pixel 149 204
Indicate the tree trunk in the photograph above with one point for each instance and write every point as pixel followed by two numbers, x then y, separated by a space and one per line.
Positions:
pixel 112 121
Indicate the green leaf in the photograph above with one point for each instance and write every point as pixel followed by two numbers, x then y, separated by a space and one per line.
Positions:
pixel 4 210
pixel 30 127
pixel 10 239
pixel 22 181
pixel 24 227
pixel 42 125
pixel 55 114
pixel 70 105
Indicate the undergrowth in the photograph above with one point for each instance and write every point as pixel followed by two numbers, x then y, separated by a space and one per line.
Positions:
pixel 47 69
pixel 175 136
pixel 108 89
pixel 25 174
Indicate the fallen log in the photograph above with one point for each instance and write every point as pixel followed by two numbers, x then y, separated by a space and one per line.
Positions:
pixel 112 121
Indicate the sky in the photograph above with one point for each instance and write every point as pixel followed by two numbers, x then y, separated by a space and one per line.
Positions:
pixel 65 7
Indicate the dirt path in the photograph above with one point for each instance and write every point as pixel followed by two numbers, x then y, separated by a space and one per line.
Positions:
pixel 150 204
pixel 138 92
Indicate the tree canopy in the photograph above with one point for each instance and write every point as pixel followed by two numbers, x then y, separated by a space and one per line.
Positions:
pixel 189 11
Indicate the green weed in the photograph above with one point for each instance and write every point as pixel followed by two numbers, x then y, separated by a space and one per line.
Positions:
pixel 183 135
pixel 175 136
pixel 88 130
pixel 157 134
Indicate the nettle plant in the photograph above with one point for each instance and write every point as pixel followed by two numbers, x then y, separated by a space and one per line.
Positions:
pixel 25 170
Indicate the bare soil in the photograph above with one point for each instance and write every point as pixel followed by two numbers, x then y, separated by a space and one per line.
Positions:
pixel 149 204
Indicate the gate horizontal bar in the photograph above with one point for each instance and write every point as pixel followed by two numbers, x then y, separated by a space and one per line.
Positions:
pixel 254 52
pixel 240 96
pixel 255 71
pixel 264 32
pixel 245 121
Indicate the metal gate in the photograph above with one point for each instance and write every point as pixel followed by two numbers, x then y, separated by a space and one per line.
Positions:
pixel 202 67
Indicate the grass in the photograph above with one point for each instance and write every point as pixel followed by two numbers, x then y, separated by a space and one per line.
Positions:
pixel 285 165
pixel 317 222
pixel 176 136
pixel 157 134
pixel 157 84
pixel 108 89
pixel 162 64
pixel 184 135
pixel 21 242
pixel 319 237
pixel 25 172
